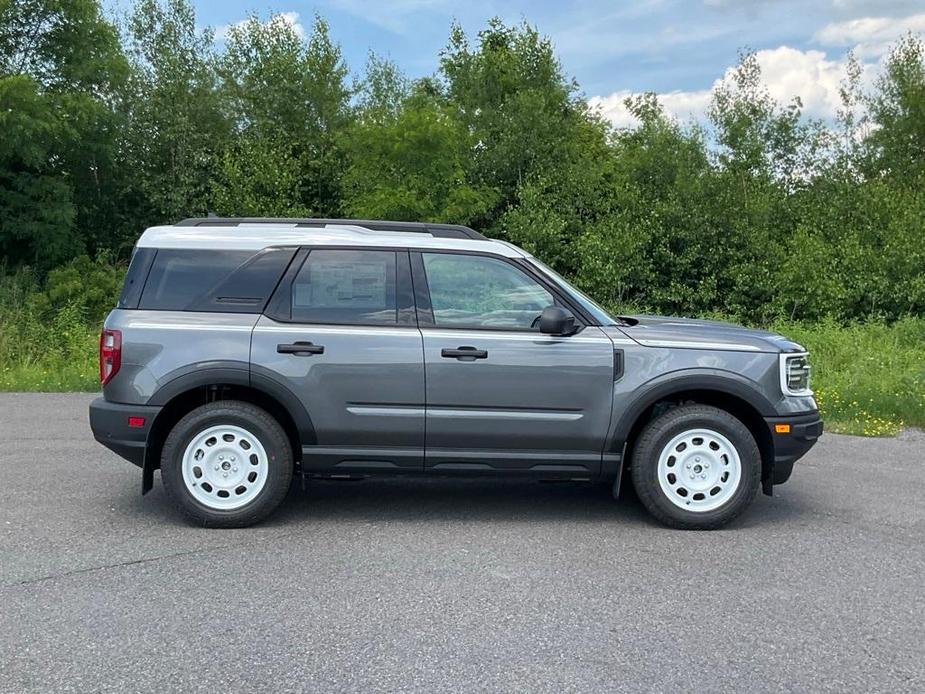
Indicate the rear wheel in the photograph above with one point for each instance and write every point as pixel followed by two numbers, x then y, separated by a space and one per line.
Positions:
pixel 696 467
pixel 227 464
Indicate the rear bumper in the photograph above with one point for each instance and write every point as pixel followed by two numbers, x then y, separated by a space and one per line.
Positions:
pixel 805 430
pixel 109 423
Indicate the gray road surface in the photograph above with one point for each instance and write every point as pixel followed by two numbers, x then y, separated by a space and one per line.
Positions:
pixel 453 585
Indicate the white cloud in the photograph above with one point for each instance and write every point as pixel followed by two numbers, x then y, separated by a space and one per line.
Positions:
pixel 786 72
pixel 869 36
pixel 290 19
pixel 683 105
pixel 789 72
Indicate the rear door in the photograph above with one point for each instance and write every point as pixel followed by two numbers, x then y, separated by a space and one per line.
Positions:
pixel 500 395
pixel 340 334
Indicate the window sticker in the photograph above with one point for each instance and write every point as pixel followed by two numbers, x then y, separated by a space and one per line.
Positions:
pixel 344 284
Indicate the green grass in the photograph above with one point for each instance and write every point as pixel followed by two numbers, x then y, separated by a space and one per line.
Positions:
pixel 43 347
pixel 869 378
pixel 45 366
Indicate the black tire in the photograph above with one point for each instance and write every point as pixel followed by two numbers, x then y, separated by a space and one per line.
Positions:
pixel 659 432
pixel 257 422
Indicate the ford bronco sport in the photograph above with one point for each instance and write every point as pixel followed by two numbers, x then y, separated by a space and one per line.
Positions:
pixel 245 351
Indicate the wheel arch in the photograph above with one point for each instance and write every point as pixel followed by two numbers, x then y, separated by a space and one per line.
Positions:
pixel 724 390
pixel 188 391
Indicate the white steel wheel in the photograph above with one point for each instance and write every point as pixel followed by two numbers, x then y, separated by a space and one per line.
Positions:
pixel 699 470
pixel 224 467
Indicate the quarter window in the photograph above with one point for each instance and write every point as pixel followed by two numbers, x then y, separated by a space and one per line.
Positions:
pixel 482 292
pixel 346 287
pixel 179 277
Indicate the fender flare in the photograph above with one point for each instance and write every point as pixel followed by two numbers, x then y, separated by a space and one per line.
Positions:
pixel 717 380
pixel 197 375
pixel 230 373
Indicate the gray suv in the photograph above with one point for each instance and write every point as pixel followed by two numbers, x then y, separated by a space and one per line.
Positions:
pixel 244 352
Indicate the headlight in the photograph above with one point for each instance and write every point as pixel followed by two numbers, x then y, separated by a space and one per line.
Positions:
pixel 794 374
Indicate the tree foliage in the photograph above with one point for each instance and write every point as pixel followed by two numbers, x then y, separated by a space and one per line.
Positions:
pixel 287 99
pixel 759 212
pixel 61 69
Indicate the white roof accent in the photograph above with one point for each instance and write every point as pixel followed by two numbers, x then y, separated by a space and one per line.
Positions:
pixel 255 237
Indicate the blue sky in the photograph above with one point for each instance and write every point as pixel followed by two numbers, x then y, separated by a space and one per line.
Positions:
pixel 674 47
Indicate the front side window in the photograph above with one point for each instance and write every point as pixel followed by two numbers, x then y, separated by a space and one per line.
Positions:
pixel 586 302
pixel 481 292
pixel 346 287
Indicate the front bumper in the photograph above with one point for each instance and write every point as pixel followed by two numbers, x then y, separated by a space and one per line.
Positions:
pixel 805 430
pixel 109 422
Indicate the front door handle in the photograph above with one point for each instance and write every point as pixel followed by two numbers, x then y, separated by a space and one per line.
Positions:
pixel 464 353
pixel 300 349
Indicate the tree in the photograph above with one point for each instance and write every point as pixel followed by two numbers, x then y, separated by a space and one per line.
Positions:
pixel 764 154
pixel 287 99
pixel 412 165
pixel 176 128
pixel 382 92
pixel 37 210
pixel 61 69
pixel 897 110
pixel 510 95
pixel 64 45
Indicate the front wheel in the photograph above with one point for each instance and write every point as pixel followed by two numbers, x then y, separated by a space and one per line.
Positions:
pixel 696 467
pixel 227 464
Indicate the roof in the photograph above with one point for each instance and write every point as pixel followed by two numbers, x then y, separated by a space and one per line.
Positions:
pixel 257 235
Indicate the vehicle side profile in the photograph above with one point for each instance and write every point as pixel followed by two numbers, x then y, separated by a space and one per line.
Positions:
pixel 246 351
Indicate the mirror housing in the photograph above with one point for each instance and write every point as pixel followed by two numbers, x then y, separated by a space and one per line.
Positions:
pixel 555 320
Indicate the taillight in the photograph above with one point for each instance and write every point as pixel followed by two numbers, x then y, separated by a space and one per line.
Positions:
pixel 110 354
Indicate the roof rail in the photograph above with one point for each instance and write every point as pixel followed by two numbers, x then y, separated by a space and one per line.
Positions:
pixel 451 231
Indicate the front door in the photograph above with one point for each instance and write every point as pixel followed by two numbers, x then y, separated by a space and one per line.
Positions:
pixel 340 334
pixel 501 396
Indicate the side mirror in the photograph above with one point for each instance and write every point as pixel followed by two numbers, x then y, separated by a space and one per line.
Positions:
pixel 555 320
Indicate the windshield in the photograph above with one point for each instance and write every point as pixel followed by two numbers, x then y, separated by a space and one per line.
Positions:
pixel 600 315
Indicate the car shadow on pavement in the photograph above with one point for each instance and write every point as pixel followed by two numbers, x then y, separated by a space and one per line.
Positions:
pixel 461 500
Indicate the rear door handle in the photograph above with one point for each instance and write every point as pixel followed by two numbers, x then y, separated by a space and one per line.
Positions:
pixel 464 353
pixel 300 349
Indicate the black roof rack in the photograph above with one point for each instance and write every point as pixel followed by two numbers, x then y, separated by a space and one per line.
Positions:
pixel 450 231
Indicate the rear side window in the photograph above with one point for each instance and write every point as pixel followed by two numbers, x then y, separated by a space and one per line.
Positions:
pixel 178 278
pixel 346 287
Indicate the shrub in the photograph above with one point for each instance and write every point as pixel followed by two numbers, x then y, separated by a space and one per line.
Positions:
pixel 90 287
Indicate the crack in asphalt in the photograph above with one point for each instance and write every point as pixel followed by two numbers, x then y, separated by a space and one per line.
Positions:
pixel 144 560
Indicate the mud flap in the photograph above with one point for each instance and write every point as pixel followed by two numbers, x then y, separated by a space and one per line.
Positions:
pixel 767 485
pixel 618 480
pixel 147 477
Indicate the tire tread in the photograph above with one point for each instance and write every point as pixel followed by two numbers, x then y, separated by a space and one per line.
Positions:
pixel 277 447
pixel 645 456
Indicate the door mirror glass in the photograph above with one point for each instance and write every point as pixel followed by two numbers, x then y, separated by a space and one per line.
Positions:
pixel 555 320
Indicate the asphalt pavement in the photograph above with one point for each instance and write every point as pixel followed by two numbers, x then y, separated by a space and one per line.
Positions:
pixel 453 585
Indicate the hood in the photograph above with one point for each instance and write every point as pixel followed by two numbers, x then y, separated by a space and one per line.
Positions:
pixel 689 333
